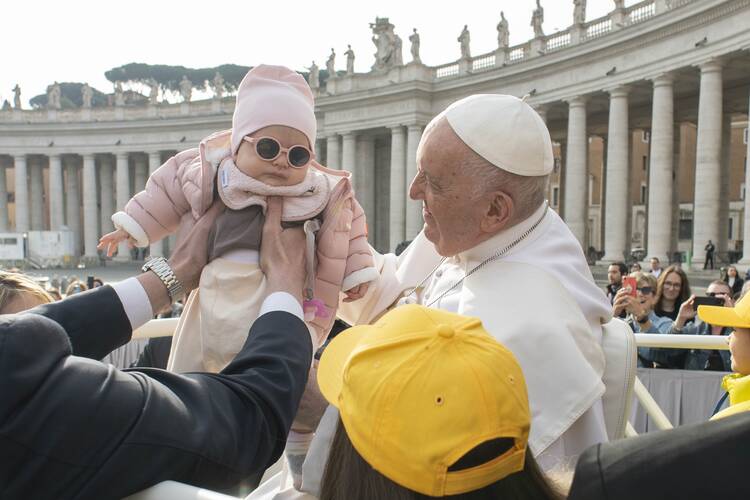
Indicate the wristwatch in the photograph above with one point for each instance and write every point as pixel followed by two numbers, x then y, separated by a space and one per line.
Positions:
pixel 160 267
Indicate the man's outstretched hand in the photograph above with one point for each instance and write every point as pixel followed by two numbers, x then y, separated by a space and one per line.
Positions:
pixel 282 253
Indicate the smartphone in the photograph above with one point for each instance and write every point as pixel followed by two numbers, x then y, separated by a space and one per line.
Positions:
pixel 629 281
pixel 90 282
pixel 708 301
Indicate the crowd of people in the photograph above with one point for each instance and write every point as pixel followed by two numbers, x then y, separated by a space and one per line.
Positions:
pixel 662 301
pixel 453 381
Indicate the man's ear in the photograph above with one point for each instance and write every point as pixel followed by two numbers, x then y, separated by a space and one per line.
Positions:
pixel 499 213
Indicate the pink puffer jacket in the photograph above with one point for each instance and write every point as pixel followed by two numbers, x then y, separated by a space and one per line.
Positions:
pixel 181 190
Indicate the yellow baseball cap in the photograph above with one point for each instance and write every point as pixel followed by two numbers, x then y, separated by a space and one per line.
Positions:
pixel 421 388
pixel 734 317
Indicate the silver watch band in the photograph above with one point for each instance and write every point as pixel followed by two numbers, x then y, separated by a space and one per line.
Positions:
pixel 161 268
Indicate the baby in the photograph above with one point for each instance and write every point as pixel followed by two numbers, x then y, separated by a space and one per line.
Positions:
pixel 268 152
pixel 737 384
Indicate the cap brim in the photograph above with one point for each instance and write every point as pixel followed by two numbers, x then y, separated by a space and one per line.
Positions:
pixel 334 359
pixel 722 316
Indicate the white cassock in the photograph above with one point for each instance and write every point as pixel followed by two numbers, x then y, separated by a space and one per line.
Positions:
pixel 539 299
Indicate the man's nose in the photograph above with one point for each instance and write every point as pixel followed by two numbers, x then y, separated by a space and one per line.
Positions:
pixel 415 189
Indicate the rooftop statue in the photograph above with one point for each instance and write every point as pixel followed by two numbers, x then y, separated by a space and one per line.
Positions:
pixel 464 39
pixel 331 64
pixel 503 33
pixel 314 78
pixel 385 43
pixel 17 97
pixel 414 39
pixel 537 19
pixel 218 84
pixel 186 88
pixel 349 60
pixel 87 95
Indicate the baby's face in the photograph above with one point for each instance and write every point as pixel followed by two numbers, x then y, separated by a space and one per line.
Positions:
pixel 276 172
pixel 739 346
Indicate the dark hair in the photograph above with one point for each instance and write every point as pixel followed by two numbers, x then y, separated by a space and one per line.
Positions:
pixel 621 266
pixel 685 292
pixel 348 476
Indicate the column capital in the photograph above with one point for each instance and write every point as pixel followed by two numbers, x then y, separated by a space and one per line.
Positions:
pixel 399 126
pixel 415 126
pixel 331 135
pixel 122 155
pixel 88 156
pixel 712 65
pixel 349 135
pixel 618 91
pixel 576 101
pixel 17 158
pixel 663 79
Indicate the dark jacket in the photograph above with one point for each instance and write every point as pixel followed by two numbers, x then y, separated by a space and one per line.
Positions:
pixel 72 427
pixel 737 287
pixel 698 359
pixel 694 461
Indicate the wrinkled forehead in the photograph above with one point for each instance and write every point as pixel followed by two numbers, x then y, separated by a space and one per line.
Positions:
pixel 440 144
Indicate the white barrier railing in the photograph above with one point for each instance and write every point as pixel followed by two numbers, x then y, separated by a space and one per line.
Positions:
pixel 645 399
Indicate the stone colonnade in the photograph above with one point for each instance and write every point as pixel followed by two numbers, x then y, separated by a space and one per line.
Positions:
pixel 80 193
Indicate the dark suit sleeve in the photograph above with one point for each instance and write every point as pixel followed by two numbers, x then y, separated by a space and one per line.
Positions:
pixel 94 321
pixel 92 431
pixel 693 461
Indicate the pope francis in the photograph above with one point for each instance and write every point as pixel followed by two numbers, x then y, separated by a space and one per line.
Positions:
pixel 491 247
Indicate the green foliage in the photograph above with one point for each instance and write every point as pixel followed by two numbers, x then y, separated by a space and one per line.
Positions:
pixel 169 77
pixel 70 97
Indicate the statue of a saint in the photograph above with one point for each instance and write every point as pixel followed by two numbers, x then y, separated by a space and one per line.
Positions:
pixel 119 95
pixel 331 64
pixel 579 11
pixel 384 40
pixel 53 96
pixel 464 39
pixel 349 60
pixel 414 39
pixel 503 33
pixel 313 78
pixel 619 4
pixel 17 97
pixel 186 88
pixel 6 105
pixel 87 95
pixel 218 85
pixel 398 54
pixel 153 95
pixel 537 19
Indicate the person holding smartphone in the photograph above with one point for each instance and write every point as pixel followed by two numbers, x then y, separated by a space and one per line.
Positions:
pixel 638 303
pixel 718 293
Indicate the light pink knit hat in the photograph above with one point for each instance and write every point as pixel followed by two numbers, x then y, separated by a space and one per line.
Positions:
pixel 273 95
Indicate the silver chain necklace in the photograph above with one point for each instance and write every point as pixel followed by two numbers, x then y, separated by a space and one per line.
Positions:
pixel 479 266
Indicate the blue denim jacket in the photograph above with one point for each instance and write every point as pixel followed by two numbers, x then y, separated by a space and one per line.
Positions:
pixel 659 324
pixel 697 358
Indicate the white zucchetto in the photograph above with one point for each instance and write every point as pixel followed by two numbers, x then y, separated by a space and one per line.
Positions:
pixel 503 130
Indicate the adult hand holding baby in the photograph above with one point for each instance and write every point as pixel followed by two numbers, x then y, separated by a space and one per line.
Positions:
pixel 282 253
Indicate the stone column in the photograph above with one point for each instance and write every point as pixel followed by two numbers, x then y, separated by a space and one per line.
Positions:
pixel 90 212
pixel 21 194
pixel 724 166
pixel 123 195
pixel 745 262
pixel 154 162
pixel 618 170
pixel 398 193
pixel 708 161
pixel 56 193
pixel 107 188
pixel 414 221
pixel 333 152
pixel 3 199
pixel 349 152
pixel 37 194
pixel 660 183
pixel 141 173
pixel 73 203
pixel 364 178
pixel 576 179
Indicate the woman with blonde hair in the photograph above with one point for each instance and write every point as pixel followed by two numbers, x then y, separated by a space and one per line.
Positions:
pixel 18 293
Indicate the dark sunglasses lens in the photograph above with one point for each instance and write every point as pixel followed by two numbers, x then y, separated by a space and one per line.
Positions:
pixel 299 156
pixel 646 290
pixel 268 149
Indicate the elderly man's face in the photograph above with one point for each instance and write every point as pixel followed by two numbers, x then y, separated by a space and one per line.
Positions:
pixel 452 212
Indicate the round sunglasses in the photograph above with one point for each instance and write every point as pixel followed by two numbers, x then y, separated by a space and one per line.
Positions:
pixel 269 149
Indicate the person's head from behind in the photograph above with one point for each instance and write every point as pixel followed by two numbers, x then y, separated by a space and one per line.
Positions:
pixel 75 287
pixel 477 175
pixel 673 286
pixel 18 293
pixel 737 318
pixel 655 264
pixel 430 405
pixel 615 272
pixel 274 126
pixel 645 289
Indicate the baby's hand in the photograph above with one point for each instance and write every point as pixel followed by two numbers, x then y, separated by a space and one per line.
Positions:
pixel 357 292
pixel 110 241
